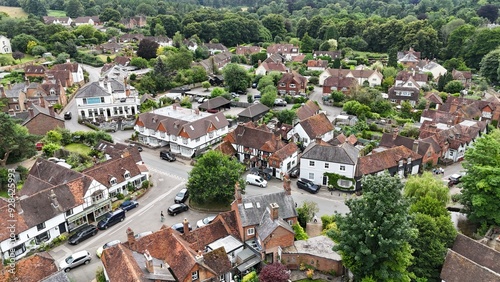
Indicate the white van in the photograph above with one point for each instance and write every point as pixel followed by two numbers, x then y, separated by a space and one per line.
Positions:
pixel 256 180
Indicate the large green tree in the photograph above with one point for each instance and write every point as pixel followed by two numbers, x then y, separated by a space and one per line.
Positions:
pixel 236 77
pixel 373 237
pixel 74 9
pixel 213 178
pixel 275 24
pixel 481 184
pixel 15 140
pixel 490 64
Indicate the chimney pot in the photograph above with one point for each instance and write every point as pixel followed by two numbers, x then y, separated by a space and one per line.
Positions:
pixel 185 226
pixel 149 262
pixel 274 211
pixel 237 193
pixel 286 184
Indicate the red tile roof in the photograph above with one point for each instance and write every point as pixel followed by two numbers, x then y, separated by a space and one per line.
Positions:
pixel 317 125
pixel 307 110
pixel 384 160
pixel 30 269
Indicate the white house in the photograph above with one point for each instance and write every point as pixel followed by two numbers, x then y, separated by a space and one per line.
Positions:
pixel 433 67
pixel 363 76
pixel 313 127
pixel 321 157
pixel 5 47
pixel 186 130
pixel 75 69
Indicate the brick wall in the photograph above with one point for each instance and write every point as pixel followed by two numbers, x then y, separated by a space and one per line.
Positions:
pixel 294 260
pixel 42 123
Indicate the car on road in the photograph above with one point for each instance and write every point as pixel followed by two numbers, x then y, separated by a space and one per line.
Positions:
pixel 111 218
pixel 177 208
pixel 182 196
pixel 168 156
pixel 180 227
pixel 105 246
pixel 307 185
pixel 280 102
pixel 235 95
pixel 67 115
pixel 128 205
pixel 294 172
pixel 454 179
pixel 256 180
pixel 207 220
pixel 83 234
pixel 74 260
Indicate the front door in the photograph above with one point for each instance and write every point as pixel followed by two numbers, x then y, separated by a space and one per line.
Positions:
pixel 325 180
pixel 62 228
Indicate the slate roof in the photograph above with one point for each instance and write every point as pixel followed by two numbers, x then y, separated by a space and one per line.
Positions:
pixel 316 125
pixel 257 205
pixel 415 92
pixel 282 48
pixel 274 58
pixel 461 75
pixel 381 161
pixel 307 110
pixel 92 90
pixel 119 150
pixel 214 103
pixel 103 172
pixel 251 137
pixel 267 225
pixel 217 260
pixel 344 153
pixel 254 110
pixel 14 90
pixel 31 269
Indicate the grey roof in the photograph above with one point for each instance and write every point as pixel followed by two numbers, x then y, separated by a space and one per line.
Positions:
pixel 214 103
pixel 257 205
pixel 320 246
pixel 160 274
pixel 14 90
pixel 51 173
pixel 92 90
pixel 59 276
pixel 342 154
pixel 267 225
pixel 254 110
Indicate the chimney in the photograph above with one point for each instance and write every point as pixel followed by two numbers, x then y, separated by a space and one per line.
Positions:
pixel 458 118
pixel 131 239
pixel 27 81
pixel 395 132
pixel 2 92
pixel 415 146
pixel 185 224
pixel 318 139
pixel 127 88
pixel 51 111
pixel 199 257
pixel 174 106
pixel 149 262
pixel 55 203
pixel 286 185
pixel 274 211
pixel 237 193
pixel 9 86
pixel 18 208
pixel 32 114
pixel 41 102
pixel 196 111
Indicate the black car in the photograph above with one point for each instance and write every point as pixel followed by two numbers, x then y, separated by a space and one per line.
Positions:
pixel 168 156
pixel 128 205
pixel 307 185
pixel 254 85
pixel 82 234
pixel 177 208
pixel 180 227
pixel 294 172
pixel 67 115
pixel 182 196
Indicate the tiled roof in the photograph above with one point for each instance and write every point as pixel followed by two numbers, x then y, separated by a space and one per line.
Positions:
pixel 34 69
pixel 293 77
pixel 354 73
pixel 317 125
pixel 267 225
pixel 217 260
pixel 282 48
pixel 226 148
pixel 440 116
pixel 92 90
pixel 299 58
pixel 254 110
pixel 31 269
pixel 122 264
pixel 255 138
pixel 199 238
pixel 384 160
pixel 214 103
pixel 307 110
pixel 103 172
pixel 51 173
pixel 72 67
pixel 331 54
pixel 461 75
pixel 417 76
pixel 317 63
pixel 433 98
pixel 119 150
pixel 340 82
pixel 389 140
pixel 122 60
pixel 344 153
pixel 252 208
pixel 415 92
pixel 270 66
pixel 284 152
pixel 274 58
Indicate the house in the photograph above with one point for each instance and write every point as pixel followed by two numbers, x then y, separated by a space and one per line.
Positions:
pixel 75 69
pixel 42 120
pixel 66 21
pixel 433 98
pixel 253 113
pixel 215 104
pixel 292 84
pixel 40 267
pixel 349 120
pixel 320 157
pixel 5 46
pixel 49 92
pixel 409 59
pixel 107 98
pixel 190 44
pixel 427 148
pixel 119 150
pixel 465 77
pixel 440 117
pixel 214 48
pixel 14 98
pixel 34 71
pixel 133 22
pixel 488 110
pixel 399 161
pixel 283 160
pixel 52 201
pixel 288 51
pixel 336 83
pixel 470 260
pixel 247 50
pixel 309 129
pixel 317 65
pixel 187 131
pixel 131 37
pixel 332 54
pixel 161 40
pixel 341 139
pixel 408 91
pixel 267 67
pixel 309 109
pixel 122 61
pixel 363 77
pixel 61 77
pixel 419 78
pixel 110 48
pixel 215 62
pixel 433 67
pixel 275 58
pixel 84 20
pixel 254 145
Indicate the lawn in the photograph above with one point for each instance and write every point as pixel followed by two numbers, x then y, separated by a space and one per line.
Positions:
pixel 78 148
pixel 56 13
pixel 14 12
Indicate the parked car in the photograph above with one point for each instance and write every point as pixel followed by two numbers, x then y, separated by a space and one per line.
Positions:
pixel 256 180
pixel 83 234
pixel 67 115
pixel 177 208
pixel 280 102
pixel 168 156
pixel 454 179
pixel 182 196
pixel 235 95
pixel 142 234
pixel 180 227
pixel 294 172
pixel 129 204
pixel 207 220
pixel 201 100
pixel 254 85
pixel 256 96
pixel 307 185
pixel 74 260
pixel 111 218
pixel 105 246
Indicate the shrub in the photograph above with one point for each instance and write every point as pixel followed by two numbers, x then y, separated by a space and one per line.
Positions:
pixel 120 196
pixel 300 234
pixel 456 197
pixel 145 184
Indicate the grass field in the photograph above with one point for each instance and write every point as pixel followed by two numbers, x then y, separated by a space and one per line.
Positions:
pixel 78 148
pixel 14 12
pixel 56 13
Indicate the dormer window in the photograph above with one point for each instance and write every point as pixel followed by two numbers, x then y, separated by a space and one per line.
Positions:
pixel 112 181
pixel 126 174
pixel 52 92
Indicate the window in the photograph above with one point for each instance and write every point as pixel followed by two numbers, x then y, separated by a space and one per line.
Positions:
pixel 98 197
pixel 18 250
pixel 327 165
pixel 342 168
pixel 40 226
pixel 451 153
pixel 17 107
pixel 69 212
pixel 126 175
pixel 112 181
pixel 311 163
pixel 194 275
pixel 345 183
pixel 292 85
pixel 222 278
pixel 290 222
pixel 311 175
pixel 197 139
pixel 250 231
pixel 45 236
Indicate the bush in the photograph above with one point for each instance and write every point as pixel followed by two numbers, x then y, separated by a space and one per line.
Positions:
pixel 300 234
pixel 456 197
pixel 145 184
pixel 120 196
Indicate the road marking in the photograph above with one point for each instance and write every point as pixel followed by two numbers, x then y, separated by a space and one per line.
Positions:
pixel 166 174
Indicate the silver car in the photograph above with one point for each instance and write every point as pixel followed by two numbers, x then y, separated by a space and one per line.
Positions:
pixel 74 260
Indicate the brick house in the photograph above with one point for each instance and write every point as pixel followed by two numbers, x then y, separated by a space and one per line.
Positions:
pixel 247 50
pixel 47 93
pixel 309 129
pixel 292 84
pixel 463 76
pixel 409 59
pixel 419 78
pixel 427 148
pixel 488 110
pixel 407 91
pixel 14 98
pixel 42 120
pixel 215 62
pixel 75 69
pixel 133 22
pixel 288 51
pixel 34 71
pixel 335 83
pixel 317 65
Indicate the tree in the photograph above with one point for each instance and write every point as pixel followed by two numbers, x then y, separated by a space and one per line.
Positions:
pixel 179 60
pixel 286 116
pixel 480 185
pixel 306 43
pixel 236 77
pixel 217 91
pixel 139 62
pixel 38 50
pixel 417 187
pixel 488 11
pixel 314 26
pixel 443 80
pixel 213 178
pixel 147 49
pixel 274 272
pixel 110 14
pixel 302 27
pixel 373 237
pixel 16 55
pixel 20 42
pixel 206 85
pixel 74 9
pixel 35 7
pixel 337 96
pixel 454 86
pixel 455 63
pixel 269 94
pixel 15 139
pixel 393 58
pixel 275 24
pixel 489 66
pixel 306 212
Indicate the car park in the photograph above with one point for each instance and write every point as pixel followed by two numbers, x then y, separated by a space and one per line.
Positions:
pixel 280 102
pixel 256 180
pixel 105 246
pixel 168 156
pixel 128 205
pixel 182 196
pixel 83 234
pixel 111 218
pixel 207 220
pixel 74 260
pixel 67 115
pixel 177 209
pixel 307 185
pixel 294 172
pixel 179 227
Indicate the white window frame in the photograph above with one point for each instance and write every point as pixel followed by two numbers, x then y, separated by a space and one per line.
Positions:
pixel 311 176
pixel 251 231
pixel 342 168
pixel 194 275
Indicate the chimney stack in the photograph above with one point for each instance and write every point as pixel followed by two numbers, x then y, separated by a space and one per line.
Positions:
pixel 9 86
pixel 199 257
pixel 54 202
pixel 27 81
pixel 237 193
pixel 395 133
pixel 286 185
pixel 51 111
pixel 185 224
pixel 18 208
pixel 149 262
pixel 318 139
pixel 32 114
pixel 274 211
pixel 131 239
pixel 2 91
pixel 415 146
pixel 174 106
pixel 197 111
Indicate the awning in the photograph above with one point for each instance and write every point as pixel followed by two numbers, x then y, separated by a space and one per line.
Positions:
pixel 249 263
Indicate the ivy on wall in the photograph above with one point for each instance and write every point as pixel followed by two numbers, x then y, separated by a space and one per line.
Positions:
pixel 333 181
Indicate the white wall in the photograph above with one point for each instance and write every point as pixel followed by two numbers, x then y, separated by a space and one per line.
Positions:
pixel 319 169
